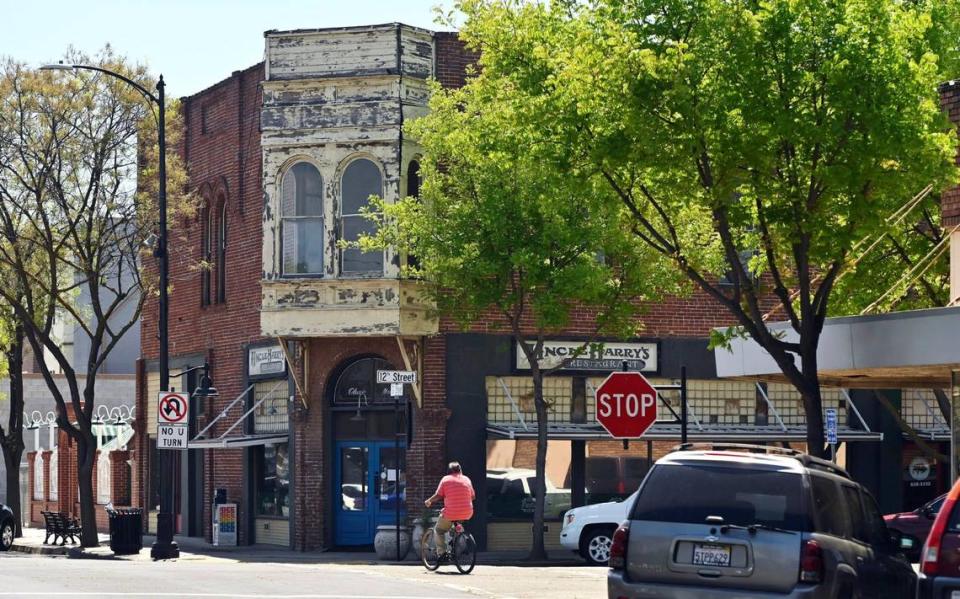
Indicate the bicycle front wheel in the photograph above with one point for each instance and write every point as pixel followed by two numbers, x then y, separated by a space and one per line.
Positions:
pixel 428 550
pixel 465 553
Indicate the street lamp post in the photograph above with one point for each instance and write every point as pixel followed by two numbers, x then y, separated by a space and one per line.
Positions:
pixel 164 547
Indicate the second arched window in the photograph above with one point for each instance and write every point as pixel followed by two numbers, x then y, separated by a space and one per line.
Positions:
pixel 361 179
pixel 301 228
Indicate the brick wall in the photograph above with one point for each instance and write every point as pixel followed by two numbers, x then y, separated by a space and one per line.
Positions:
pixel 950 199
pixel 452 59
pixel 221 147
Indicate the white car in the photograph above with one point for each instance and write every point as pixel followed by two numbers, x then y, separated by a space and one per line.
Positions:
pixel 588 530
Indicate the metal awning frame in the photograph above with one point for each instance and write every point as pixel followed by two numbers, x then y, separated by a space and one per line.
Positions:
pixel 236 441
pixel 671 432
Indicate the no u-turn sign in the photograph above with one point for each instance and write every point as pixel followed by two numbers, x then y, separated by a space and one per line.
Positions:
pixel 173 417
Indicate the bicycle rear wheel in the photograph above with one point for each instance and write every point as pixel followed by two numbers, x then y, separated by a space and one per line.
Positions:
pixel 428 551
pixel 465 553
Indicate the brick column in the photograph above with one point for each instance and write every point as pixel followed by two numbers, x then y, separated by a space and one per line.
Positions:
pixel 120 478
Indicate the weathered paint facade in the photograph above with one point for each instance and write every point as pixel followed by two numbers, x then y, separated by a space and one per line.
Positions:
pixel 331 97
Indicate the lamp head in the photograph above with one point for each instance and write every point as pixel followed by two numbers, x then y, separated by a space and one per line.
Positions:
pixel 57 67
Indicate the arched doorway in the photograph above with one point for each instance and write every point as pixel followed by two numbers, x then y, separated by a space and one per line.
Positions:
pixel 369 447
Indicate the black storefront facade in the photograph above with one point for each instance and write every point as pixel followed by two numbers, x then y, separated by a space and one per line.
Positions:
pixel 491 429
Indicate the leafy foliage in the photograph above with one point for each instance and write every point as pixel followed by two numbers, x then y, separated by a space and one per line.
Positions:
pixel 755 141
pixel 74 218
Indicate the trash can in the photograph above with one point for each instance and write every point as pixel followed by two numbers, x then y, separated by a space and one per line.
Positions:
pixel 126 531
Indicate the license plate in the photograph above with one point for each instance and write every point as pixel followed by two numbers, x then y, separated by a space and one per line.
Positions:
pixel 711 555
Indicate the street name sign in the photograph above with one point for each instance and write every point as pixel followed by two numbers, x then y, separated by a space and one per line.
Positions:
pixel 396 376
pixel 173 418
pixel 626 405
pixel 830 418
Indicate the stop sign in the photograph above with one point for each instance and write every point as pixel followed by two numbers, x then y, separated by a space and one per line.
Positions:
pixel 626 405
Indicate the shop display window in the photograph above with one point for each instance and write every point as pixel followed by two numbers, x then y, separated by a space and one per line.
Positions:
pixel 273 481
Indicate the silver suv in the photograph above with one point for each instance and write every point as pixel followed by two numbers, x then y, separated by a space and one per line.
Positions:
pixel 745 521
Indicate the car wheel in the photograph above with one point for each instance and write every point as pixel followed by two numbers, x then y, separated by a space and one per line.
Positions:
pixel 6 536
pixel 595 546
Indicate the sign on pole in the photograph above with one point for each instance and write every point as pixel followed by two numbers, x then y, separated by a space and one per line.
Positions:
pixel 626 405
pixel 830 424
pixel 173 417
pixel 385 377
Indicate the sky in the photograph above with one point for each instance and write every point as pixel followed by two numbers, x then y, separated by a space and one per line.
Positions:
pixel 194 44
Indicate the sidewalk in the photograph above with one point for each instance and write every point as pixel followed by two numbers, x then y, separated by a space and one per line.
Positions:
pixel 192 548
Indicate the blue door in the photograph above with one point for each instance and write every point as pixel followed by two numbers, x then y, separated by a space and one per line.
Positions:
pixel 370 485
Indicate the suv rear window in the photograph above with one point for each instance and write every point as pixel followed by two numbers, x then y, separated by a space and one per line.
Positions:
pixel 744 496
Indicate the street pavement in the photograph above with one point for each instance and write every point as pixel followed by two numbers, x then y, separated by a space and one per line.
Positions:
pixel 32 576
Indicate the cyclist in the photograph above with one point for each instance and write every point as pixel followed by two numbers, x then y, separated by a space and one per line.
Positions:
pixel 457 493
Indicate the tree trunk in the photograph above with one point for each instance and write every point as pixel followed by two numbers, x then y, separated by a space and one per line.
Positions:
pixel 538 549
pixel 12 437
pixel 812 402
pixel 86 452
pixel 11 459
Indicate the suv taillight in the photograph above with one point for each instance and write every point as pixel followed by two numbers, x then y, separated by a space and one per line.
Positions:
pixel 618 547
pixel 811 562
pixel 930 556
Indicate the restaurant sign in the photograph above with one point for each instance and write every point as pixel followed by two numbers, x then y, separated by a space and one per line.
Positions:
pixel 266 360
pixel 601 356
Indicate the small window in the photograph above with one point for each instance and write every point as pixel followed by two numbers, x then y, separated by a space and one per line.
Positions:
pixel 413 191
pixel 205 255
pixel 221 248
pixel 361 179
pixel 301 221
pixel 273 481
pixel 832 517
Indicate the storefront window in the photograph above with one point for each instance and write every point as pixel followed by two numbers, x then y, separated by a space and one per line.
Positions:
pixel 511 476
pixel 273 483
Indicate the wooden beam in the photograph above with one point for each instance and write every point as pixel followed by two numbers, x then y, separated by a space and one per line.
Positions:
pixel 293 371
pixel 408 364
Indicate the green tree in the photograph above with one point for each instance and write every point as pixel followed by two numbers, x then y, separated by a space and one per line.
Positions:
pixel 74 218
pixel 751 141
pixel 503 237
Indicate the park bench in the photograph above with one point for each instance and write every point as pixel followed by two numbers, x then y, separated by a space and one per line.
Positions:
pixel 62 526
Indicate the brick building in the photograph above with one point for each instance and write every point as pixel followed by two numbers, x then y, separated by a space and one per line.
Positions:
pixel 284 155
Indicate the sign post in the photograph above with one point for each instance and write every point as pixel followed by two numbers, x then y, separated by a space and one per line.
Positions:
pixel 173 416
pixel 396 379
pixel 626 405
pixel 830 424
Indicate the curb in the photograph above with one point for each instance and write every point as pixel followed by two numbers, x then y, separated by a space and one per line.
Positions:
pixel 40 550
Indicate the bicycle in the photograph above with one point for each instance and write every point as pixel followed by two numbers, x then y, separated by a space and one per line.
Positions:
pixel 462 549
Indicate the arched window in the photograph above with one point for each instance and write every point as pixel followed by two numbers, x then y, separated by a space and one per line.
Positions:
pixel 413 179
pixel 221 248
pixel 205 254
pixel 361 179
pixel 301 220
pixel 413 191
pixel 357 385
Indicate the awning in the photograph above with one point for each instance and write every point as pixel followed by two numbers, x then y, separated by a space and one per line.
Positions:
pixel 889 351
pixel 238 441
pixel 671 432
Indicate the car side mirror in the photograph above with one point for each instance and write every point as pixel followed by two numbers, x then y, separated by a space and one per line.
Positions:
pixel 929 512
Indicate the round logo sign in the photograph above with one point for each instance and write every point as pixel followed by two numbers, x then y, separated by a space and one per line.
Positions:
pixel 920 468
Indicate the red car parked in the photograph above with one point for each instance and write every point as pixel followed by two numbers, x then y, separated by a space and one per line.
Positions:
pixel 916 524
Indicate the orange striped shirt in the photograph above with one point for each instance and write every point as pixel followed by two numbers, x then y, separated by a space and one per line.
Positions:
pixel 458 495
